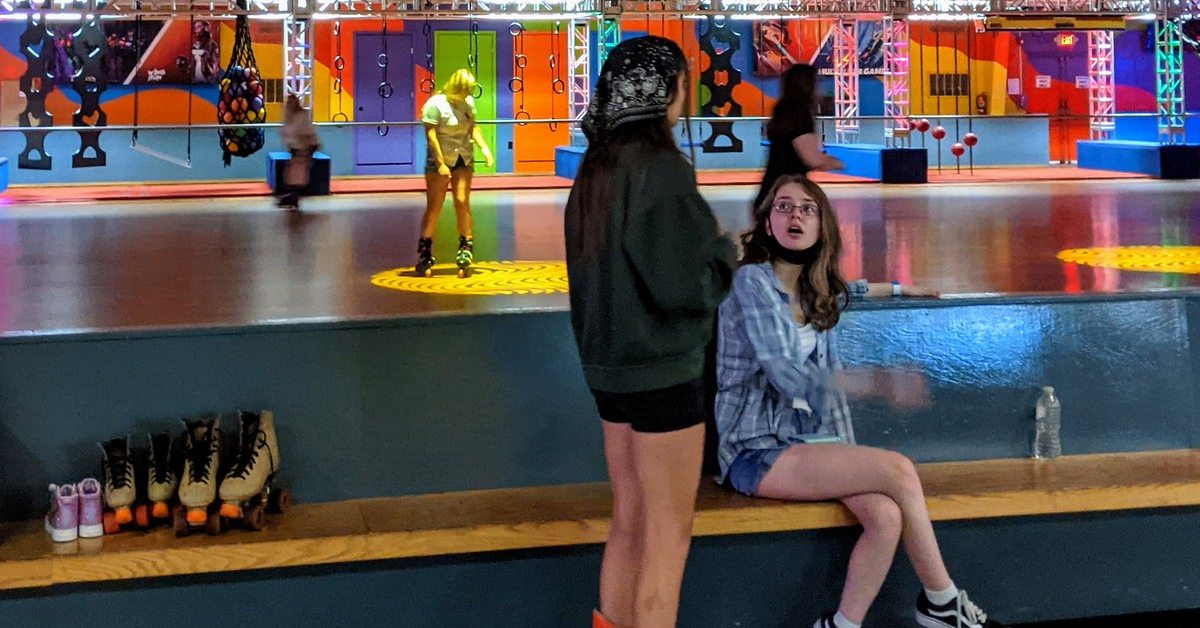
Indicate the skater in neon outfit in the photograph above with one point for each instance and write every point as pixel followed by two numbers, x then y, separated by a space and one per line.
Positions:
pixel 451 135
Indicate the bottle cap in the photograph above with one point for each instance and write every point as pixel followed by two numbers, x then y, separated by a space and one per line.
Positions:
pixel 1049 390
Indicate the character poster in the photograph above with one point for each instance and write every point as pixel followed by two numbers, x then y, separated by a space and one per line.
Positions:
pixel 173 52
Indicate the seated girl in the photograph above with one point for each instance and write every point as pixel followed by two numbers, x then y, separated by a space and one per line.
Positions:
pixel 782 418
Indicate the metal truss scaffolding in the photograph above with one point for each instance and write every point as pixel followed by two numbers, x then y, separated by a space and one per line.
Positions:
pixel 298 52
pixel 610 36
pixel 1102 91
pixel 1168 70
pixel 845 79
pixel 579 64
pixel 895 82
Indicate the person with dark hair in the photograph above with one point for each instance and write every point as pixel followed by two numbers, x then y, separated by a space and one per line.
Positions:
pixel 783 421
pixel 648 268
pixel 792 131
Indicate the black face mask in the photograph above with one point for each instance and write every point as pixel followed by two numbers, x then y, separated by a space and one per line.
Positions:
pixel 799 258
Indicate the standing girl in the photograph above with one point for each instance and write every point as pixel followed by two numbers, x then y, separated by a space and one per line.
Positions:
pixel 647 269
pixel 451 136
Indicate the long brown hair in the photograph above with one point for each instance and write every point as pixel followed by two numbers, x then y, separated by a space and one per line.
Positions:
pixel 823 292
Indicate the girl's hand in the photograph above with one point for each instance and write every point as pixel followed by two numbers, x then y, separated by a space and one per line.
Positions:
pixel 489 159
pixel 905 389
pixel 919 291
pixel 443 170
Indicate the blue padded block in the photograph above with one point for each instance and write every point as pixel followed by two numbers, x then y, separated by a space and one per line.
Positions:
pixel 318 177
pixel 1165 161
pixel 888 165
pixel 3 173
pixel 567 160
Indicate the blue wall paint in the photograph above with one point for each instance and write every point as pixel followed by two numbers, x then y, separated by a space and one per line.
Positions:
pixel 382 405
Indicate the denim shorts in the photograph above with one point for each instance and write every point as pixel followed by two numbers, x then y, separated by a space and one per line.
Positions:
pixel 750 467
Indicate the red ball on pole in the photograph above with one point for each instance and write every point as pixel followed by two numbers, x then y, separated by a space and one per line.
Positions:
pixel 922 125
pixel 957 149
pixel 938 133
pixel 970 139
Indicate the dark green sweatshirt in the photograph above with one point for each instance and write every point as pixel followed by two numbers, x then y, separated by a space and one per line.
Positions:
pixel 647 269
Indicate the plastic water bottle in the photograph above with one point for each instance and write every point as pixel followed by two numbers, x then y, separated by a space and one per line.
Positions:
pixel 1047 420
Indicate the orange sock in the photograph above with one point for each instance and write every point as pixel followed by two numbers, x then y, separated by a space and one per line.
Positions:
pixel 600 621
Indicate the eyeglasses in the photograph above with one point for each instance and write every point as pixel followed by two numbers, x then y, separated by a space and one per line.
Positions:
pixel 808 210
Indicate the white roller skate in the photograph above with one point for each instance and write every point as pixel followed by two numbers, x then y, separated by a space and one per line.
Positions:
pixel 198 483
pixel 161 483
pixel 246 491
pixel 120 492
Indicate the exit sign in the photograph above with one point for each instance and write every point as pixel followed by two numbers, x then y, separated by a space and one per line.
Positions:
pixel 1065 40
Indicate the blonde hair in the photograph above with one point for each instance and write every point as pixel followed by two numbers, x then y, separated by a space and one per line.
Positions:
pixel 461 83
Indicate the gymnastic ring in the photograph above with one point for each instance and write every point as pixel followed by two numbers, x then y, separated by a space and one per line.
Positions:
pixel 553 126
pixel 559 86
pixel 385 90
pixel 427 86
pixel 339 63
pixel 522 117
pixel 382 60
pixel 478 91
pixel 340 117
pixel 515 29
pixel 521 61
pixel 383 130
pixel 515 84
pixel 337 85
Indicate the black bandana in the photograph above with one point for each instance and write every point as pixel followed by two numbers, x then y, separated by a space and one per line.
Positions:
pixel 633 85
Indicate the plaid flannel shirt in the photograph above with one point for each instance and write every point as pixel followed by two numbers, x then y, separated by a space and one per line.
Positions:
pixel 761 379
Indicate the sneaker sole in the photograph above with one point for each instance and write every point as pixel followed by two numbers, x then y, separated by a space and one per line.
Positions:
pixel 929 622
pixel 91 532
pixel 61 536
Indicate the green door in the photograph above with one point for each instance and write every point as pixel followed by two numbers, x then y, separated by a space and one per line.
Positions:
pixel 451 50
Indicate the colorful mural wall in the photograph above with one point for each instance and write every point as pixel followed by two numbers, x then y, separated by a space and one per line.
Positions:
pixel 956 69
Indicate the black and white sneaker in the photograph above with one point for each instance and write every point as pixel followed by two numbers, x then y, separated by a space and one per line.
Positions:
pixel 824 622
pixel 960 612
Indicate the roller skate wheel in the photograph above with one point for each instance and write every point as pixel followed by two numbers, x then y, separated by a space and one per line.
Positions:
pixel 428 273
pixel 279 501
pixel 197 516
pixel 255 516
pixel 161 510
pixel 110 523
pixel 124 515
pixel 141 516
pixel 230 510
pixel 213 525
pixel 180 522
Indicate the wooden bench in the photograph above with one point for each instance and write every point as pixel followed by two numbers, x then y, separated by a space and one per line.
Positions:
pixel 553 516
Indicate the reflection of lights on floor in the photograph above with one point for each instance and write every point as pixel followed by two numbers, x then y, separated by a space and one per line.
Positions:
pixel 1151 259
pixel 487 278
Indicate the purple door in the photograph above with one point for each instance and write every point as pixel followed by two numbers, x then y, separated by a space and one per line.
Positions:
pixel 390 153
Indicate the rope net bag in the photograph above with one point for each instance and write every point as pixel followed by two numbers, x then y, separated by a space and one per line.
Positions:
pixel 241 98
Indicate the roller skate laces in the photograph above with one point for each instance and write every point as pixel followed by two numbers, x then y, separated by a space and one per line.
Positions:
pixel 465 256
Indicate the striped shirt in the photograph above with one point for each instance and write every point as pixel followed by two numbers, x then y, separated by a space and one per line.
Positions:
pixel 771 393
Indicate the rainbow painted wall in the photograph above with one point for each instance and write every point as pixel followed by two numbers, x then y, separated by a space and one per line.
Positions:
pixel 1014 73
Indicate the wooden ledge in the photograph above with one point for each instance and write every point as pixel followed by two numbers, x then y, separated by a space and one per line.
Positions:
pixel 551 516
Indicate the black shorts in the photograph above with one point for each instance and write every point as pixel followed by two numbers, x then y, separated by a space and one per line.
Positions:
pixel 662 410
